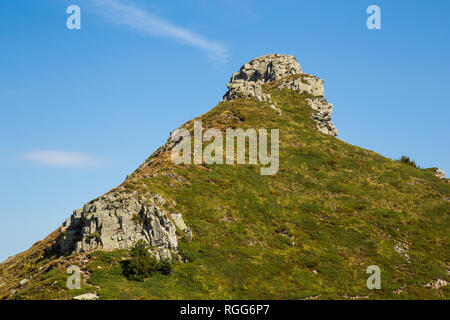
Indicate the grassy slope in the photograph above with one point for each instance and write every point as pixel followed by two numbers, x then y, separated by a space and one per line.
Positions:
pixel 347 208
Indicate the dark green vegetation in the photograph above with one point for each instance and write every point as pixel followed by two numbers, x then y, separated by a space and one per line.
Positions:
pixel 142 264
pixel 407 160
pixel 332 210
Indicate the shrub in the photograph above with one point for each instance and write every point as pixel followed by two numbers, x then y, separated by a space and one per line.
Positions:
pixel 407 160
pixel 165 267
pixel 143 265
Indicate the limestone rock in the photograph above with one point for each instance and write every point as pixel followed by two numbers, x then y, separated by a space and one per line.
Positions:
pixel 440 174
pixel 248 81
pixel 23 282
pixel 118 222
pixel 305 83
pixel 274 107
pixel 322 115
pixel 439 283
pixel 402 248
pixel 179 222
pixel 86 296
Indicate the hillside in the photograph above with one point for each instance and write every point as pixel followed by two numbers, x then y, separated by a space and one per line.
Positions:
pixel 308 231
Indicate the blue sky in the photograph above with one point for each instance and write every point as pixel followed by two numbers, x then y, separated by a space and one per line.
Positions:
pixel 81 109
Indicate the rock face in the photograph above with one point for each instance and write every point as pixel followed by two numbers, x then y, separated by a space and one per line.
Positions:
pixel 114 222
pixel 248 81
pixel 322 115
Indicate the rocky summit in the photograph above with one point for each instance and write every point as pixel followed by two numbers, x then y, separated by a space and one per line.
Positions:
pixel 248 83
pixel 224 231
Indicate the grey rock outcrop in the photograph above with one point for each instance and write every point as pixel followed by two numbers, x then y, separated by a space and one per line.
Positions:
pixel 179 222
pixel 86 296
pixel 402 248
pixel 24 282
pixel 248 81
pixel 305 83
pixel 118 222
pixel 322 115
pixel 437 284
pixel 440 174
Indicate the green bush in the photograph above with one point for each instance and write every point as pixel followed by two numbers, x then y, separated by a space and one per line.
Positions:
pixel 143 265
pixel 407 160
pixel 165 267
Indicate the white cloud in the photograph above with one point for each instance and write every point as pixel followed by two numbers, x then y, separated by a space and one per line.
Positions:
pixel 140 20
pixel 62 158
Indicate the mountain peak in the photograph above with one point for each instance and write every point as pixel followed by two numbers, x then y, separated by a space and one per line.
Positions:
pixel 285 72
pixel 248 80
pixel 267 68
pixel 225 229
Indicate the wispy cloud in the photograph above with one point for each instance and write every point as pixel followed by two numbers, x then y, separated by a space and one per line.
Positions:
pixel 62 158
pixel 127 14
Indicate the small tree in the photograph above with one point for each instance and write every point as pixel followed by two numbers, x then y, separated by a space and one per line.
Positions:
pixel 165 267
pixel 142 264
pixel 407 160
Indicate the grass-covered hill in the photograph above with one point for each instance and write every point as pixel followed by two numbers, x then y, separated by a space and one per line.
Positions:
pixel 310 231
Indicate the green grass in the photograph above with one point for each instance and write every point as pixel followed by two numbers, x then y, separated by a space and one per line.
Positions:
pixel 332 210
